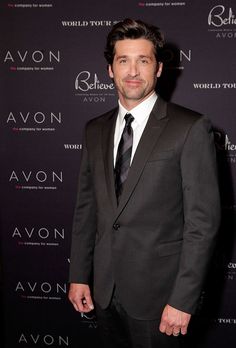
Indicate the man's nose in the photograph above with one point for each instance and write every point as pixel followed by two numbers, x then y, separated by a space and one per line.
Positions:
pixel 133 69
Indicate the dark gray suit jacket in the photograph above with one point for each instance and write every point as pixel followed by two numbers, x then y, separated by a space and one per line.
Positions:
pixel 156 245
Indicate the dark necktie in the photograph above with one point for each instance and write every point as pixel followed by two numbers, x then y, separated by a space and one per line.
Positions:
pixel 123 156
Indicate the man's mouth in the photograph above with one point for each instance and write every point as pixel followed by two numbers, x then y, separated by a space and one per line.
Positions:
pixel 132 82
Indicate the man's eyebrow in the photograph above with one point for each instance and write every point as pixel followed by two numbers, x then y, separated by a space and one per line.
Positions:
pixel 139 56
pixel 144 56
pixel 122 56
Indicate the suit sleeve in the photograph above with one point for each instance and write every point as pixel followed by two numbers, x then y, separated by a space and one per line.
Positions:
pixel 84 225
pixel 201 215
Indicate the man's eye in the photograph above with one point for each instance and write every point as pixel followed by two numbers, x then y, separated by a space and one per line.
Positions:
pixel 144 61
pixel 122 61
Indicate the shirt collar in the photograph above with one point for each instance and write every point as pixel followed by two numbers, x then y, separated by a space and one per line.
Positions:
pixel 139 112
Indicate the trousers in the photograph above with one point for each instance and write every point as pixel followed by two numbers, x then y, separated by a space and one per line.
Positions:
pixel 118 330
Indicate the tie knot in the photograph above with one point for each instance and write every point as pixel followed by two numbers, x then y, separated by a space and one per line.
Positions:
pixel 128 119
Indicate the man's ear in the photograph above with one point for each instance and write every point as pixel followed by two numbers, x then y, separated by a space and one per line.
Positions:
pixel 160 68
pixel 110 71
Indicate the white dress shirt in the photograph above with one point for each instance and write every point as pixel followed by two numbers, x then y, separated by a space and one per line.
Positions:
pixel 141 114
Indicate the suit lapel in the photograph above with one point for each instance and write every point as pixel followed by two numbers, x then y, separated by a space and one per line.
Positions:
pixel 108 131
pixel 155 126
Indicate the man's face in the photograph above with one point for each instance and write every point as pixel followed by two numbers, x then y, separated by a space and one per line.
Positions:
pixel 134 70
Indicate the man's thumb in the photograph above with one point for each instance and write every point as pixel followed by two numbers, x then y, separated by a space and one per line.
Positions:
pixel 89 301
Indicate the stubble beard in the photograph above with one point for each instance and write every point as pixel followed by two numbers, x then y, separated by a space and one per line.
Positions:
pixel 136 94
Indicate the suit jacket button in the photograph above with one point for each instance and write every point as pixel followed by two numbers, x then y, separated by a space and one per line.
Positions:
pixel 116 227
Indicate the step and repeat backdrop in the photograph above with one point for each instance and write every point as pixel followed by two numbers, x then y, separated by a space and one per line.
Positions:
pixel 53 79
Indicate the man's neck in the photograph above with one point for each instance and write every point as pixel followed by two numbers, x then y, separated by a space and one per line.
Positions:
pixel 130 104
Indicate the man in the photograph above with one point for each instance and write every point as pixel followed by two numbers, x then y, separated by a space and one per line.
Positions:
pixel 144 232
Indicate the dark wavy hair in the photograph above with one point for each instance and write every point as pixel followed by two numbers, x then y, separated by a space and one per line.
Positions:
pixel 133 29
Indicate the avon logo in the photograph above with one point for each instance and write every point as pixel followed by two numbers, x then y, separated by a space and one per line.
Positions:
pixel 39 232
pixel 45 288
pixel 37 118
pixel 36 56
pixel 43 340
pixel 39 176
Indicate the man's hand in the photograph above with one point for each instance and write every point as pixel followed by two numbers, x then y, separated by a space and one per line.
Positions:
pixel 79 295
pixel 174 321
